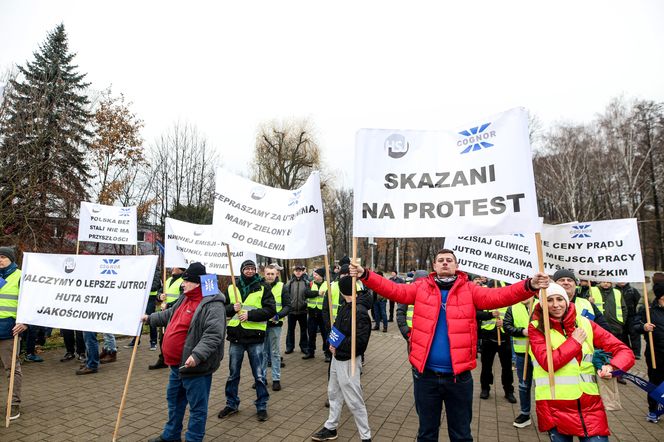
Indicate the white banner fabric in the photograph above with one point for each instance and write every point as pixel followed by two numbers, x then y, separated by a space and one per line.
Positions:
pixel 270 222
pixel 596 250
pixel 105 294
pixel 107 224
pixel 187 243
pixel 508 258
pixel 474 181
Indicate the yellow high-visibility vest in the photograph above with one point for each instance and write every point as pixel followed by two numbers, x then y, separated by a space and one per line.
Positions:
pixel 9 295
pixel 253 301
pixel 172 289
pixel 599 302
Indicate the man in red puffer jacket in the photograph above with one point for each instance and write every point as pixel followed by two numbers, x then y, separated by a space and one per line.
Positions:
pixel 444 336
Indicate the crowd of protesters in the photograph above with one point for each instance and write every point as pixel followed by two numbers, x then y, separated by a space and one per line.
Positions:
pixel 445 316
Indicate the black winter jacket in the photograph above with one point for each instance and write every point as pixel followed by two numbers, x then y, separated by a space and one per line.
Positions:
pixel 297 289
pixel 657 318
pixel 343 323
pixel 239 334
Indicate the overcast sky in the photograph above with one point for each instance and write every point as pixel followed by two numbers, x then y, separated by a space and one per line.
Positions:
pixel 228 66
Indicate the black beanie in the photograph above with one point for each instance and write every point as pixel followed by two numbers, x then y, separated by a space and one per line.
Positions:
pixel 247 263
pixel 9 253
pixel 344 260
pixel 658 290
pixel 194 272
pixel 320 272
pixel 344 270
pixel 346 285
pixel 563 273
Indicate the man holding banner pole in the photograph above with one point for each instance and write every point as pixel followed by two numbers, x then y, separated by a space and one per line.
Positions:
pixel 443 350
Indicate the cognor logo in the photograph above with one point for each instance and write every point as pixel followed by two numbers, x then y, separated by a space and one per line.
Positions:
pixel 125 211
pixel 69 265
pixel 475 138
pixel 258 192
pixel 396 146
pixel 109 266
pixel 581 231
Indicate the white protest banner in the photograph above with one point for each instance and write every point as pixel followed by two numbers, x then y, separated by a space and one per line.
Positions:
pixel 107 224
pixel 271 222
pixel 508 258
pixel 187 243
pixel 595 250
pixel 105 294
pixel 474 181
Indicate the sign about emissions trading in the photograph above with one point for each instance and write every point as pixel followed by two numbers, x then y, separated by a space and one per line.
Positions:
pixel 107 224
pixel 596 250
pixel 187 243
pixel 105 294
pixel 271 222
pixel 509 258
pixel 477 180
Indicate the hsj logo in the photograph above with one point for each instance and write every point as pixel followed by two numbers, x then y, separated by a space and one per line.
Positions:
pixel 581 231
pixel 295 198
pixel 110 266
pixel 396 146
pixel 475 138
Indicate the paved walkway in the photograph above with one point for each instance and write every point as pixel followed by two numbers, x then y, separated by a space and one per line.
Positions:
pixel 60 406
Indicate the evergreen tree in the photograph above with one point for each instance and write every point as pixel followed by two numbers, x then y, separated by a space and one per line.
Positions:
pixel 43 173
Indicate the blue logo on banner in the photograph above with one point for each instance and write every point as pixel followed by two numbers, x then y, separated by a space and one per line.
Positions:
pixel 2 282
pixel 125 211
pixel 110 266
pixel 476 138
pixel 295 198
pixel 581 231
pixel 335 337
pixel 209 285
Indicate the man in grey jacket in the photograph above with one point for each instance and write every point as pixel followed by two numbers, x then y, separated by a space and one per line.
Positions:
pixel 193 346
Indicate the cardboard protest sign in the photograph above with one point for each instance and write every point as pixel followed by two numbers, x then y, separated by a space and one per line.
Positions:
pixel 268 221
pixel 508 258
pixel 105 294
pixel 477 180
pixel 107 224
pixel 187 243
pixel 597 250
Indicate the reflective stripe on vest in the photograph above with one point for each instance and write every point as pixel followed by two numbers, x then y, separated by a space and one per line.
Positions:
pixel 521 320
pixel 574 378
pixel 490 324
pixel 317 302
pixel 599 302
pixel 9 295
pixel 276 292
pixel 173 289
pixel 253 301
pixel 409 316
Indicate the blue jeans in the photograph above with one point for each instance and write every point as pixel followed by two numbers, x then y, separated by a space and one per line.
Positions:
pixel 271 353
pixel 557 437
pixel 431 391
pixel 194 391
pixel 91 349
pixel 109 342
pixel 524 387
pixel 380 312
pixel 235 356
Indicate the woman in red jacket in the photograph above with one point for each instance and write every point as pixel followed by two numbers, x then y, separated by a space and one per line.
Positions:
pixel 577 409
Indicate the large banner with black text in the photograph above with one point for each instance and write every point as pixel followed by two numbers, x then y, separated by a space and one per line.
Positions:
pixel 476 180
pixel 595 250
pixel 187 243
pixel 105 294
pixel 107 224
pixel 268 221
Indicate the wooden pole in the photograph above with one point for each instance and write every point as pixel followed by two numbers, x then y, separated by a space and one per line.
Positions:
pixel 495 283
pixel 645 304
pixel 78 243
pixel 11 382
pixel 126 387
pixel 354 313
pixel 545 318
pixel 230 266
pixel 531 305
pixel 329 289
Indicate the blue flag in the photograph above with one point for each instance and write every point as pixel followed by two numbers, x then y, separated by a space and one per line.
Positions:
pixel 2 282
pixel 209 285
pixel 588 315
pixel 654 391
pixel 161 247
pixel 335 337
